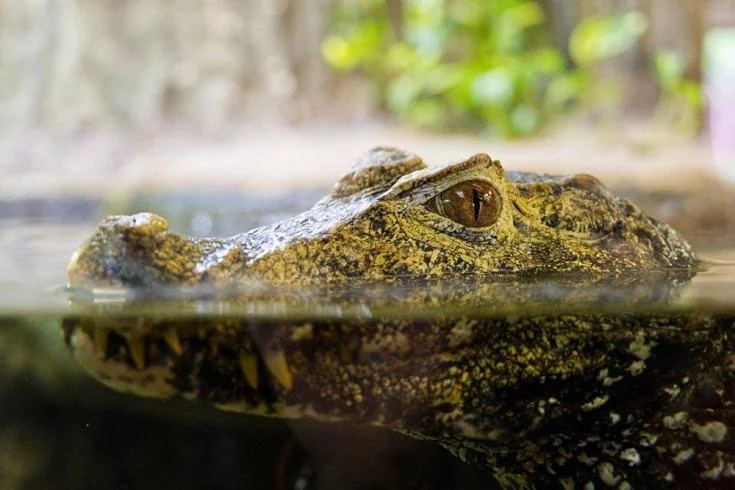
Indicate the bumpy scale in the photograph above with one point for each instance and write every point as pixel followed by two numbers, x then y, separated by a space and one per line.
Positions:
pixel 586 400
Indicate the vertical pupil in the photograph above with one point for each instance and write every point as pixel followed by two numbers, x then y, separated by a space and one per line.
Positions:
pixel 476 203
pixel 471 203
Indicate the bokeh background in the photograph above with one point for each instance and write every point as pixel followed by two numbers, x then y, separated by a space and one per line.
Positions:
pixel 225 114
pixel 102 95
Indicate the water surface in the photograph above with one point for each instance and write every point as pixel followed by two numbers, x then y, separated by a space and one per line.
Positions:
pixel 59 428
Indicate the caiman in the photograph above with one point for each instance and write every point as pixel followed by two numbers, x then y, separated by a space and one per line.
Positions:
pixel 587 399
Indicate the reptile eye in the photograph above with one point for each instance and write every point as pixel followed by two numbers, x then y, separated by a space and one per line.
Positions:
pixel 472 203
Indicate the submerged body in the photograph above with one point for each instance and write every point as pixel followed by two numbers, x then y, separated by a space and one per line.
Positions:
pixel 591 400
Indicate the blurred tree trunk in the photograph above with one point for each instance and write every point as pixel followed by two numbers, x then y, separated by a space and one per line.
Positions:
pixel 562 16
pixel 79 63
pixel 394 9
pixel 679 25
pixel 696 13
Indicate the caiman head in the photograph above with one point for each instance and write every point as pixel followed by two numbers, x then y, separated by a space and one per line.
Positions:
pixel 392 217
pixel 523 395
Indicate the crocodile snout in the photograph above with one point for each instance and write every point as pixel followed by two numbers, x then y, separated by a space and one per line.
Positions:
pixel 136 250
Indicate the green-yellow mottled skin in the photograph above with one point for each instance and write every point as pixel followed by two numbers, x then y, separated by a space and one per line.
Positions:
pixel 376 225
pixel 589 400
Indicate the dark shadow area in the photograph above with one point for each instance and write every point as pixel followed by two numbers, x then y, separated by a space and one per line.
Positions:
pixel 59 429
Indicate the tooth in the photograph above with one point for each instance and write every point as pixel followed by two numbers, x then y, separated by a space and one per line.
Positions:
pixel 101 336
pixel 137 352
pixel 249 365
pixel 172 341
pixel 276 363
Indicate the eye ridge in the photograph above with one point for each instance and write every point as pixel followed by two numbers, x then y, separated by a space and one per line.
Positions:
pixel 471 203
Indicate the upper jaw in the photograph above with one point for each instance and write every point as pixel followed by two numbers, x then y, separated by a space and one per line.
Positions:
pixel 139 251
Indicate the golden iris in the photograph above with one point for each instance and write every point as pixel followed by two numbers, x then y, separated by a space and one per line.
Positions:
pixel 472 203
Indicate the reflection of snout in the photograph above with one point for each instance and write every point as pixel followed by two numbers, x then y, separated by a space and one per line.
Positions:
pixel 132 250
pixel 190 358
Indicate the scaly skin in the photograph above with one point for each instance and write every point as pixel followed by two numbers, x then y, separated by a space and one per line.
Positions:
pixel 375 225
pixel 554 400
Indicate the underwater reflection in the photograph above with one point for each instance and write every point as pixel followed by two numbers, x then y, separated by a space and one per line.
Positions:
pixel 541 380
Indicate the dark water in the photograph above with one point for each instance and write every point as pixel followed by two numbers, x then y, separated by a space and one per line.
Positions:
pixel 61 429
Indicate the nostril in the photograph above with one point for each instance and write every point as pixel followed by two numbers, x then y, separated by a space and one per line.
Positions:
pixel 136 251
pixel 140 224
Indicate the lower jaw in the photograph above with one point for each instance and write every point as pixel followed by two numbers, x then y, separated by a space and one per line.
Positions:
pixel 192 363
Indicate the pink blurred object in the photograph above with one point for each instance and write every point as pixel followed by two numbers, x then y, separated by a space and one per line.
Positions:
pixel 719 79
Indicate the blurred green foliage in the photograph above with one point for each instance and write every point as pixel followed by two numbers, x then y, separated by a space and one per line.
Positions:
pixel 595 39
pixel 681 101
pixel 475 64
pixel 463 63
